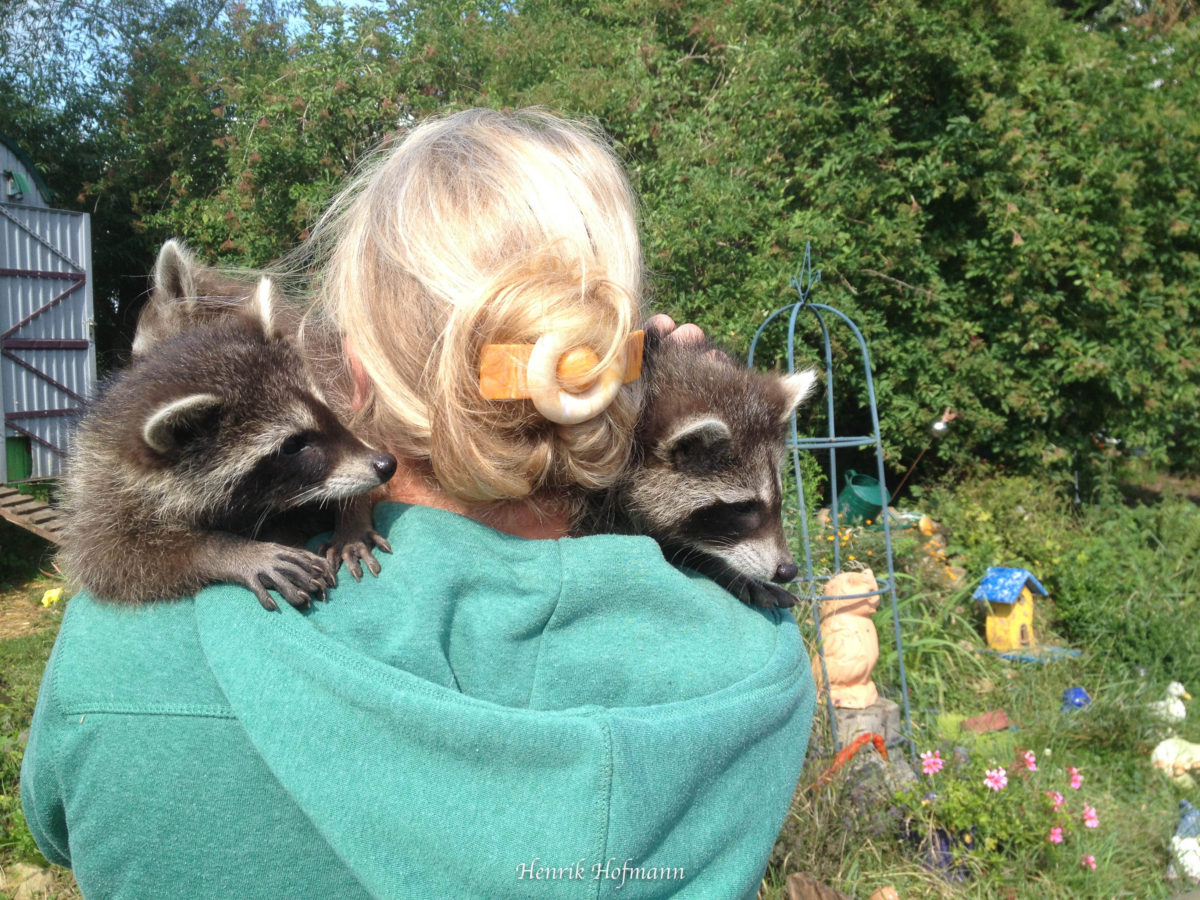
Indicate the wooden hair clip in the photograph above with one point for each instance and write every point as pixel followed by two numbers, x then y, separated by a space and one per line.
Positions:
pixel 554 377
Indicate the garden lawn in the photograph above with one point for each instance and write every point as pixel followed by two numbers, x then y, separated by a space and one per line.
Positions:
pixel 1123 578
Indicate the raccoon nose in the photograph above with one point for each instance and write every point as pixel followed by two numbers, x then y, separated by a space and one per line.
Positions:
pixel 785 572
pixel 384 465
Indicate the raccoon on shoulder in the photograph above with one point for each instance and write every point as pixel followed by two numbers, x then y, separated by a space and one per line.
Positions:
pixel 186 293
pixel 196 451
pixel 705 480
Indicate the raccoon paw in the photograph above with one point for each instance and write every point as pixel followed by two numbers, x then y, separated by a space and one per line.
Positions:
pixel 764 593
pixel 296 575
pixel 355 553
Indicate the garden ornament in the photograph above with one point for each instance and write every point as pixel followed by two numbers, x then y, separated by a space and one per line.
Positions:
pixel 1171 710
pixel 848 638
pixel 1008 594
pixel 1185 843
pixel 847 754
pixel 1074 698
pixel 1176 758
pixel 937 430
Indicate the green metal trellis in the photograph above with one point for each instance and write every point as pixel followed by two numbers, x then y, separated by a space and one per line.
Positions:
pixel 808 583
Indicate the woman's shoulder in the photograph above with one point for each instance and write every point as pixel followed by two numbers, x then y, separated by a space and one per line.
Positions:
pixel 135 659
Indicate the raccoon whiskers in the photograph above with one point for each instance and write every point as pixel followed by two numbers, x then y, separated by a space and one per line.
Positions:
pixel 306 497
pixel 257 528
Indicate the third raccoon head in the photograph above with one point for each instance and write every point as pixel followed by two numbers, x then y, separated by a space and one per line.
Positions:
pixel 709 485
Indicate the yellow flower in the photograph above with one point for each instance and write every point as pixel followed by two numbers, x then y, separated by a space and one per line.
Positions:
pixel 52 596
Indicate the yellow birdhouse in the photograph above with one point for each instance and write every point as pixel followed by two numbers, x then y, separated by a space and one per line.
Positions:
pixel 1009 597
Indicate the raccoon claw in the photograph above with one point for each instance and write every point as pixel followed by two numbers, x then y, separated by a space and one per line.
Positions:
pixel 356 553
pixel 296 575
pixel 764 593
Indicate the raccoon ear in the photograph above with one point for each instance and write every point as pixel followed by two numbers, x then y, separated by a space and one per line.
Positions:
pixel 173 273
pixel 173 423
pixel 172 298
pixel 796 389
pixel 696 443
pixel 264 307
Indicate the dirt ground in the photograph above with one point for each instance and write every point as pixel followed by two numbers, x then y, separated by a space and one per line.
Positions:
pixel 21 611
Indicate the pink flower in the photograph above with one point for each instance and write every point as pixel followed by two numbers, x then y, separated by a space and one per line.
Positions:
pixel 1030 760
pixel 1090 819
pixel 996 778
pixel 1088 862
pixel 1076 778
pixel 1056 798
pixel 1055 836
pixel 932 762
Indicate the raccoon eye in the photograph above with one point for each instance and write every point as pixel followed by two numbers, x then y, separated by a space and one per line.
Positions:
pixel 745 508
pixel 294 444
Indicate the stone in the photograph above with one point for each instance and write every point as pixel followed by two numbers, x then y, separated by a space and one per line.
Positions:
pixel 996 720
pixel 881 717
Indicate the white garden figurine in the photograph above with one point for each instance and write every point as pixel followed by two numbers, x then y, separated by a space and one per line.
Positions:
pixel 1171 710
pixel 1176 758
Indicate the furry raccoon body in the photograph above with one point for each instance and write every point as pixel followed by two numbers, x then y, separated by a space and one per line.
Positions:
pixel 706 481
pixel 192 452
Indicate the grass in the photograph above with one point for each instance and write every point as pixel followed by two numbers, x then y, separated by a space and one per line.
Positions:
pixel 27 632
pixel 1123 577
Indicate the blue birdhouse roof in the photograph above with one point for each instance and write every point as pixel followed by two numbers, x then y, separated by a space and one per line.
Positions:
pixel 1005 585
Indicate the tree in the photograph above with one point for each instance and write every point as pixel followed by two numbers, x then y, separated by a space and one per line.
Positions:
pixel 1001 195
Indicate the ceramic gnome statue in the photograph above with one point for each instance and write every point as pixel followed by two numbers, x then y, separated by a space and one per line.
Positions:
pixel 849 639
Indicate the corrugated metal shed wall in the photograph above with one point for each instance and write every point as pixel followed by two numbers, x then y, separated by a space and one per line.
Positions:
pixel 47 357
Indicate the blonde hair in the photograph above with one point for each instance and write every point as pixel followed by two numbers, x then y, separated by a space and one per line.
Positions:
pixel 484 227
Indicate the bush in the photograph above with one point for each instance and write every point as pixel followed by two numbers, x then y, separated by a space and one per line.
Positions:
pixel 980 814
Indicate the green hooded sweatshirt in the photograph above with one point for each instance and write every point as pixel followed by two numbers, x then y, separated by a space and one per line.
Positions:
pixel 492 717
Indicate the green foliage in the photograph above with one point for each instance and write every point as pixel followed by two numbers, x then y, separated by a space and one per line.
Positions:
pixel 1102 564
pixel 1000 195
pixel 21 662
pixel 15 840
pixel 1005 521
pixel 1120 579
pixel 937 659
pixel 1128 588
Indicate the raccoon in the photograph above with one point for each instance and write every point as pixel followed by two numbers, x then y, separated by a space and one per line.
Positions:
pixel 705 477
pixel 195 451
pixel 705 480
pixel 185 294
